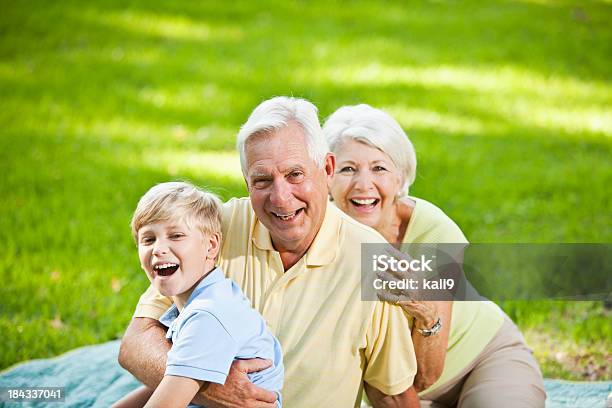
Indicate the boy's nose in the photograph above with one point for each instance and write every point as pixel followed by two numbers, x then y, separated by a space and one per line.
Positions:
pixel 160 248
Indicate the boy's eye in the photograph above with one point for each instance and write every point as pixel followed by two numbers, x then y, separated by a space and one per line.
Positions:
pixel 176 235
pixel 147 240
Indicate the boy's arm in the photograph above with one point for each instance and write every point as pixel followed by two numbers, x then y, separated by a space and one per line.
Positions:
pixel 143 353
pixel 174 392
pixel 135 399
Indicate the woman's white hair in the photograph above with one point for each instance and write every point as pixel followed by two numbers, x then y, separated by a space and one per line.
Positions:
pixel 378 129
pixel 278 112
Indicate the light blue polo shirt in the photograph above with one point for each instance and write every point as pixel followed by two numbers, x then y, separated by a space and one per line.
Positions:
pixel 217 326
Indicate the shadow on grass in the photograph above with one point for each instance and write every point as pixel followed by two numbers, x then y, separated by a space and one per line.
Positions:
pixel 165 65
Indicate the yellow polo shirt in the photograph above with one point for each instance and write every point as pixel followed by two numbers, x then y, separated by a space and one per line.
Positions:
pixel 332 341
pixel 473 323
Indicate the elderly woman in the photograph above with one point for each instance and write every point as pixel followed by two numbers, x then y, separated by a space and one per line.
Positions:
pixel 469 353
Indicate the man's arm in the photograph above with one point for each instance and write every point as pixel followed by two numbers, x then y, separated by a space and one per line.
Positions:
pixel 143 353
pixel 406 399
pixel 143 350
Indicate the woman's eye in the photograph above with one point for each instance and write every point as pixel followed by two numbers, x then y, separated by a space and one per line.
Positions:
pixel 379 168
pixel 347 169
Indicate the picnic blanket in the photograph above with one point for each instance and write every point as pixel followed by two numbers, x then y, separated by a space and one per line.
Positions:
pixel 91 377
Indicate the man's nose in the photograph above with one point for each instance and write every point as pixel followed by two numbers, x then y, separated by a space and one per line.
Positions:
pixel 281 193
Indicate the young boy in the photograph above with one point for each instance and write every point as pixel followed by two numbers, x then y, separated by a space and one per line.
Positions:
pixel 178 231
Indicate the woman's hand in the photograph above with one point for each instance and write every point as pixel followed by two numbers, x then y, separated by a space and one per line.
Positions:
pixel 425 313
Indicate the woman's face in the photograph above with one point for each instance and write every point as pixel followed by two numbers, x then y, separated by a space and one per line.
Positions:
pixel 365 184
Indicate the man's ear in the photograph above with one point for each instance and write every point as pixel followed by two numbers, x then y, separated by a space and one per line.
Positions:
pixel 330 168
pixel 214 241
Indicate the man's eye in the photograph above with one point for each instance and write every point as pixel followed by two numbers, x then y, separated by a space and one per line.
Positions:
pixel 347 169
pixel 296 174
pixel 260 183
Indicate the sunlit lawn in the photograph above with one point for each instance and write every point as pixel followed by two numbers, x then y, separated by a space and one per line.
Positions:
pixel 508 104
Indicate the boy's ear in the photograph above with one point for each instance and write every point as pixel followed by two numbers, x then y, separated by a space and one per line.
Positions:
pixel 214 241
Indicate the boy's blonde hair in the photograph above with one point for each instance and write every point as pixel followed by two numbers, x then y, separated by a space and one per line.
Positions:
pixel 180 201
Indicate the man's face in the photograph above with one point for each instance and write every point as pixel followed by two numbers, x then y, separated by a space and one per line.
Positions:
pixel 287 190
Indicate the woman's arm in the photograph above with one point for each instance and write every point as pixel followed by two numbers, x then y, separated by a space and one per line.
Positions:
pixel 430 351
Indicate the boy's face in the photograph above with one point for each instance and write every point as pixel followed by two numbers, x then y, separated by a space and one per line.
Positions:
pixel 175 256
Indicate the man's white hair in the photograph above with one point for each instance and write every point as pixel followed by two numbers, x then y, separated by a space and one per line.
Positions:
pixel 378 129
pixel 278 112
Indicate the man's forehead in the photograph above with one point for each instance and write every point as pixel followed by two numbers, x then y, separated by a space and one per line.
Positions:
pixel 290 132
pixel 279 151
pixel 265 167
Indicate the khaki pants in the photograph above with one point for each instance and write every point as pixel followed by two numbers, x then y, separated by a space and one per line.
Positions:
pixel 505 374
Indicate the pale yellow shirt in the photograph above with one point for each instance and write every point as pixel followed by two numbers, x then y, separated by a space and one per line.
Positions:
pixel 332 341
pixel 473 324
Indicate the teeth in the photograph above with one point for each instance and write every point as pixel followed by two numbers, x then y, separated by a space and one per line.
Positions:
pixel 287 216
pixel 164 266
pixel 366 201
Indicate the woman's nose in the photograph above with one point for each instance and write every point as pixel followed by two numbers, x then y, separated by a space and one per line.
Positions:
pixel 363 181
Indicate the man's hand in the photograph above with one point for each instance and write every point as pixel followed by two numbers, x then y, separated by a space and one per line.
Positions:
pixel 238 390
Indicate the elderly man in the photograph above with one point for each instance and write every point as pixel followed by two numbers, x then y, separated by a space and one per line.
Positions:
pixel 297 258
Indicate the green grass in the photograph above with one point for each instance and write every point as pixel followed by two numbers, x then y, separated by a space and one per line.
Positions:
pixel 508 104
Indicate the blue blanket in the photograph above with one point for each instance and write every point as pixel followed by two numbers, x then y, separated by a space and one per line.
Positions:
pixel 92 378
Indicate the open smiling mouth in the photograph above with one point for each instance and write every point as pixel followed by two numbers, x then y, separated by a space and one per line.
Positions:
pixel 288 216
pixel 364 203
pixel 166 269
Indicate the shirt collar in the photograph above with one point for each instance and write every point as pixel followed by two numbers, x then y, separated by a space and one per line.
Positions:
pixel 323 249
pixel 214 276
